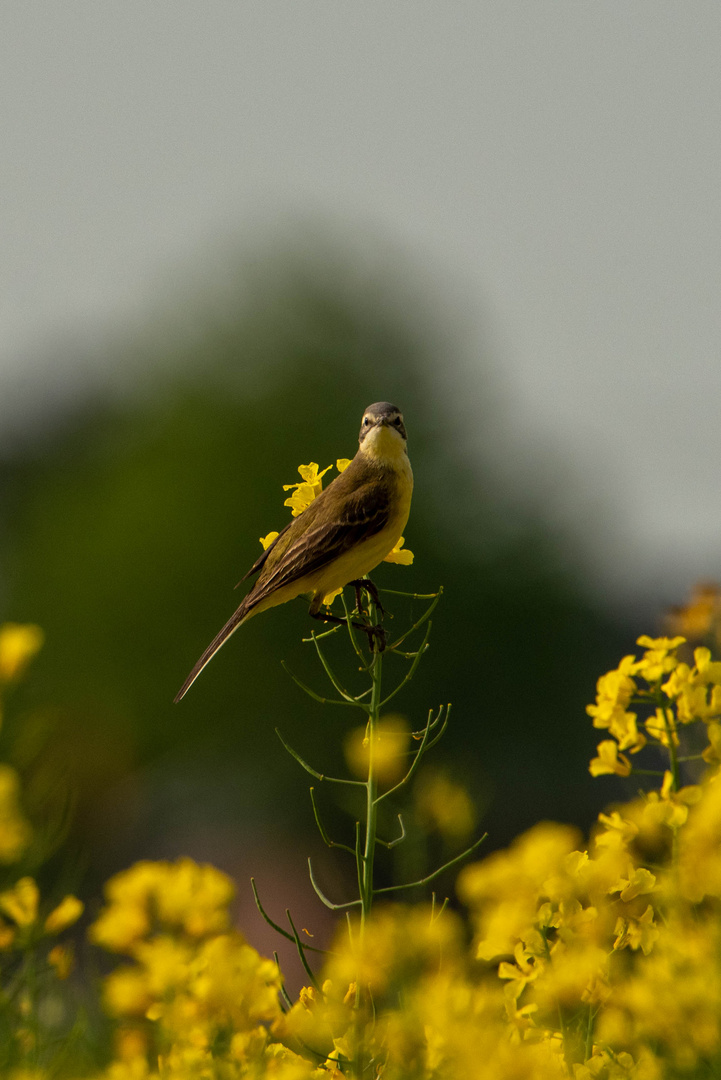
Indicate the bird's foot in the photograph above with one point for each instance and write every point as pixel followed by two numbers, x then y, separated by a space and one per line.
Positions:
pixel 376 634
pixel 367 586
pixel 376 637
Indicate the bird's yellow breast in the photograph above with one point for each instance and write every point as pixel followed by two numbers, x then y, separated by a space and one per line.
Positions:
pixel 383 447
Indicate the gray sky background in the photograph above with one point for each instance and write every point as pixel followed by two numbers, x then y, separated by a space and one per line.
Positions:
pixel 555 167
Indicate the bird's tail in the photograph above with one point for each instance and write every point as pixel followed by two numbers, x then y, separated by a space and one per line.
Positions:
pixel 220 638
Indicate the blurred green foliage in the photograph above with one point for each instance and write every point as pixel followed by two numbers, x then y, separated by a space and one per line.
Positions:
pixel 125 529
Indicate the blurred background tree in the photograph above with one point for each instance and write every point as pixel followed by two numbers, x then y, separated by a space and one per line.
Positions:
pixel 126 526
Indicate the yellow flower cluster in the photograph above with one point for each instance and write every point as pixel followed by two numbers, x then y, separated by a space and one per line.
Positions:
pixel 19 905
pixel 389 750
pixel 620 962
pixel 19 914
pixel 196 999
pixel 19 642
pixel 674 693
pixel 588 961
pixel 699 619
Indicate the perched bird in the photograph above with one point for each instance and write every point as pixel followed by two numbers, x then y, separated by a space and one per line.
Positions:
pixel 343 534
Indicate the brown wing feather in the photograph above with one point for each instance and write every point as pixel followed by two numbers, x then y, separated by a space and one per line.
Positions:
pixel 364 515
pixel 305 546
pixel 261 560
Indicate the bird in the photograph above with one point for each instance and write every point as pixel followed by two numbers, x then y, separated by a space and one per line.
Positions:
pixel 345 532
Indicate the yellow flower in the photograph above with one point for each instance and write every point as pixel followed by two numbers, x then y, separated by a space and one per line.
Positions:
pixel 306 489
pixel 126 993
pixel 657 661
pixel 19 642
pixel 669 807
pixel 617 830
pixel 15 832
pixel 61 957
pixel 708 671
pixel 65 914
pixel 166 962
pixel 405 557
pixel 641 933
pixel 183 895
pixel 389 750
pixel 444 805
pixel 194 897
pixel 400 944
pixel 609 760
pixel 266 541
pixel 503 890
pixel 696 620
pixel 342 464
pixel 641 881
pixel 661 726
pixel 697 690
pixel 230 977
pixel 614 692
pixel 118 927
pixel 21 902
pixel 7 936
pixel 130 1043
pixel 700 851
pixel 712 753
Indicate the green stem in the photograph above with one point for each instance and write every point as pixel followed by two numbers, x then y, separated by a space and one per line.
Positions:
pixel 588 1049
pixel 371 823
pixel 365 860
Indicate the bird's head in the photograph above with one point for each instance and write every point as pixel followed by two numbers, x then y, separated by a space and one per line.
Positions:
pixel 383 433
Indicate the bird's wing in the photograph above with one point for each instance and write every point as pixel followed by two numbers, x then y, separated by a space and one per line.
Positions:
pixel 260 561
pixel 361 515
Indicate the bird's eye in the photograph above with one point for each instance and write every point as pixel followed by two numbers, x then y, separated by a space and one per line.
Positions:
pixel 398 421
pixel 366 421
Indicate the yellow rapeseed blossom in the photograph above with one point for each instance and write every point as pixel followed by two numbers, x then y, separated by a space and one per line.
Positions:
pixel 21 902
pixel 699 860
pixel 698 618
pixel 306 489
pixel 64 915
pixel 504 890
pixel 62 959
pixel 15 831
pixel 444 806
pixel 266 541
pixel 609 760
pixel 697 690
pixel 180 896
pixel 399 944
pixel 19 642
pixel 660 656
pixel 675 694
pixel 389 749
pixel 672 1001
pixel 614 693
pixel 590 961
pixel 403 557
pixel 192 981
pixel 126 992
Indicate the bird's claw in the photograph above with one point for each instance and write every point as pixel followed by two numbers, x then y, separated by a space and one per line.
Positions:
pixel 376 638
pixel 367 586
